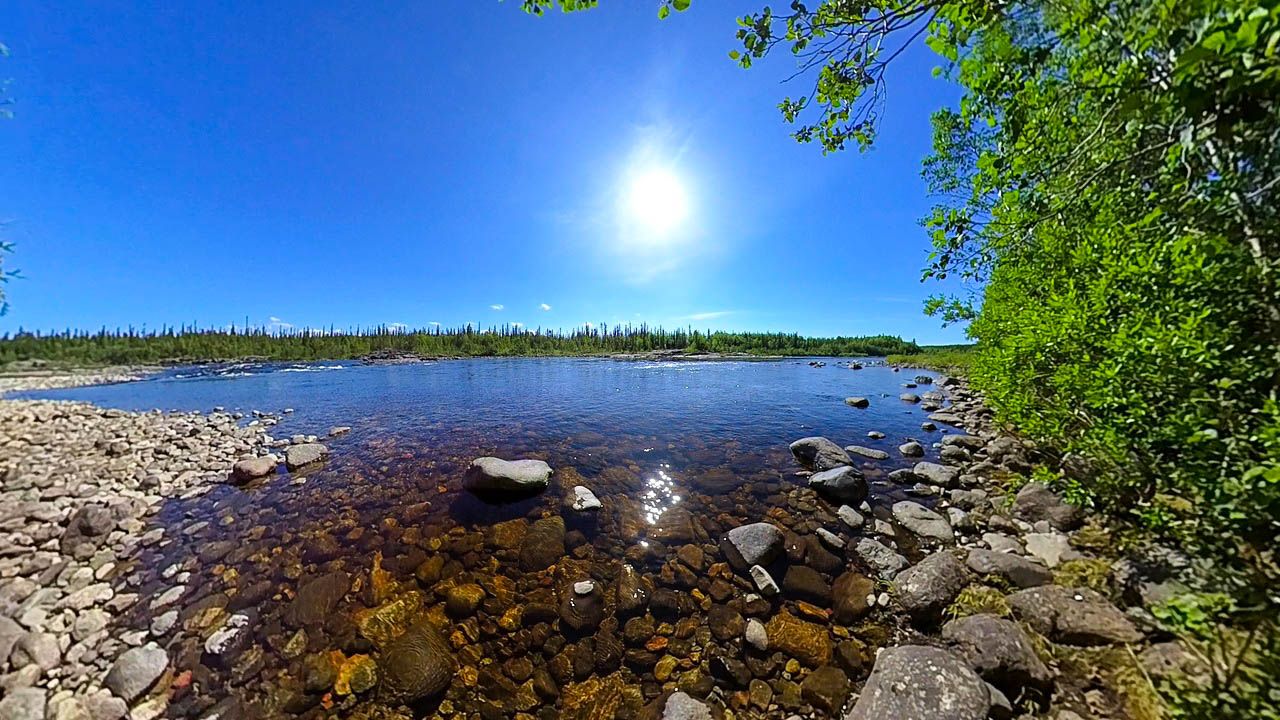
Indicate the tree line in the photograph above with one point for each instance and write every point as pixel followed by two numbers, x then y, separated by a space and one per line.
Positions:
pixel 188 344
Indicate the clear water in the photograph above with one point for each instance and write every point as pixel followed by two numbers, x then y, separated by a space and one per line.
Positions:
pixel 758 405
pixel 678 452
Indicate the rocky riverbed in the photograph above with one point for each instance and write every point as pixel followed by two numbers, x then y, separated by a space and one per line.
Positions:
pixel 189 565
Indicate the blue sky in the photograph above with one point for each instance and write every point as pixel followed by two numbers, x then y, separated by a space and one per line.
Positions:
pixel 320 163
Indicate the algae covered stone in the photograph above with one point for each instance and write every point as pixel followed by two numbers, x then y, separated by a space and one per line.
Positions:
pixel 416 665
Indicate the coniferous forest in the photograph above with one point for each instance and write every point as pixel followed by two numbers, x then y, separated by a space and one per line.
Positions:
pixel 177 345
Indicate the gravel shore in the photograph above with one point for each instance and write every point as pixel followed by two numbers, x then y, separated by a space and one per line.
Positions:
pixel 78 483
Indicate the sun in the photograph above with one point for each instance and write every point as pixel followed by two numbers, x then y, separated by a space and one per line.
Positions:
pixel 656 201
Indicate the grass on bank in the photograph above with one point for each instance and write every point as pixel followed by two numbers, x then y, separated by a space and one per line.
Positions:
pixel 178 345
pixel 950 358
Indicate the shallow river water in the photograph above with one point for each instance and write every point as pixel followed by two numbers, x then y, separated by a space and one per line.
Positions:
pixel 331 565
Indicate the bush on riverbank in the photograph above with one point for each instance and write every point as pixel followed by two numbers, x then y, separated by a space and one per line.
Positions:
pixel 168 345
pixel 1116 169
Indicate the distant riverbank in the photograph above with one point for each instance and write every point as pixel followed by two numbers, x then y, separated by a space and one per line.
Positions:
pixel 166 347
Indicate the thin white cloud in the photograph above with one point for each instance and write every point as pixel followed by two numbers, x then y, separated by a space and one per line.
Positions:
pixel 433 323
pixel 275 323
pixel 517 325
pixel 544 307
pixel 708 315
pixel 496 307
pixel 398 326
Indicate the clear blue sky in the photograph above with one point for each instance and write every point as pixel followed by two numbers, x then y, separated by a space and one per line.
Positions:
pixel 323 163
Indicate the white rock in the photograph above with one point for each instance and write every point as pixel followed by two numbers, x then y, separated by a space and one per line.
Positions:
pixel 584 499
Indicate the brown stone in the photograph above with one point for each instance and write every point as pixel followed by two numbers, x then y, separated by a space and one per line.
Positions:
pixel 849 596
pixel 805 641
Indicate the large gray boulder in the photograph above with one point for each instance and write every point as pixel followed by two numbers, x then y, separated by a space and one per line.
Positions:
pixel 926 589
pixel 923 522
pixel 842 484
pixel 819 453
pixel 136 670
pixel 491 474
pixel 999 651
pixel 1015 569
pixel 936 474
pixel 254 468
pixel 1036 502
pixel 916 682
pixel 1073 616
pixel 416 665
pixel 304 454
pixel 754 544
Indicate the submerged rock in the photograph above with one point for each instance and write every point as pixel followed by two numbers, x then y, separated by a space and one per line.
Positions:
pixel 806 583
pixel 850 517
pixel 543 544
pixel 915 682
pixel 764 581
pixel 851 596
pixel 805 641
pixel 819 453
pixel 583 499
pixel 416 665
pixel 582 611
pixel 842 484
pixel 826 688
pixel 866 452
pixel 858 402
pixel 756 635
pixel 682 706
pixel 317 598
pixel 633 591
pixel 491 474
pixel 754 544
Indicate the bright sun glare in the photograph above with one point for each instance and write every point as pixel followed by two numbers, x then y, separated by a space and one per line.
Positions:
pixel 656 200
